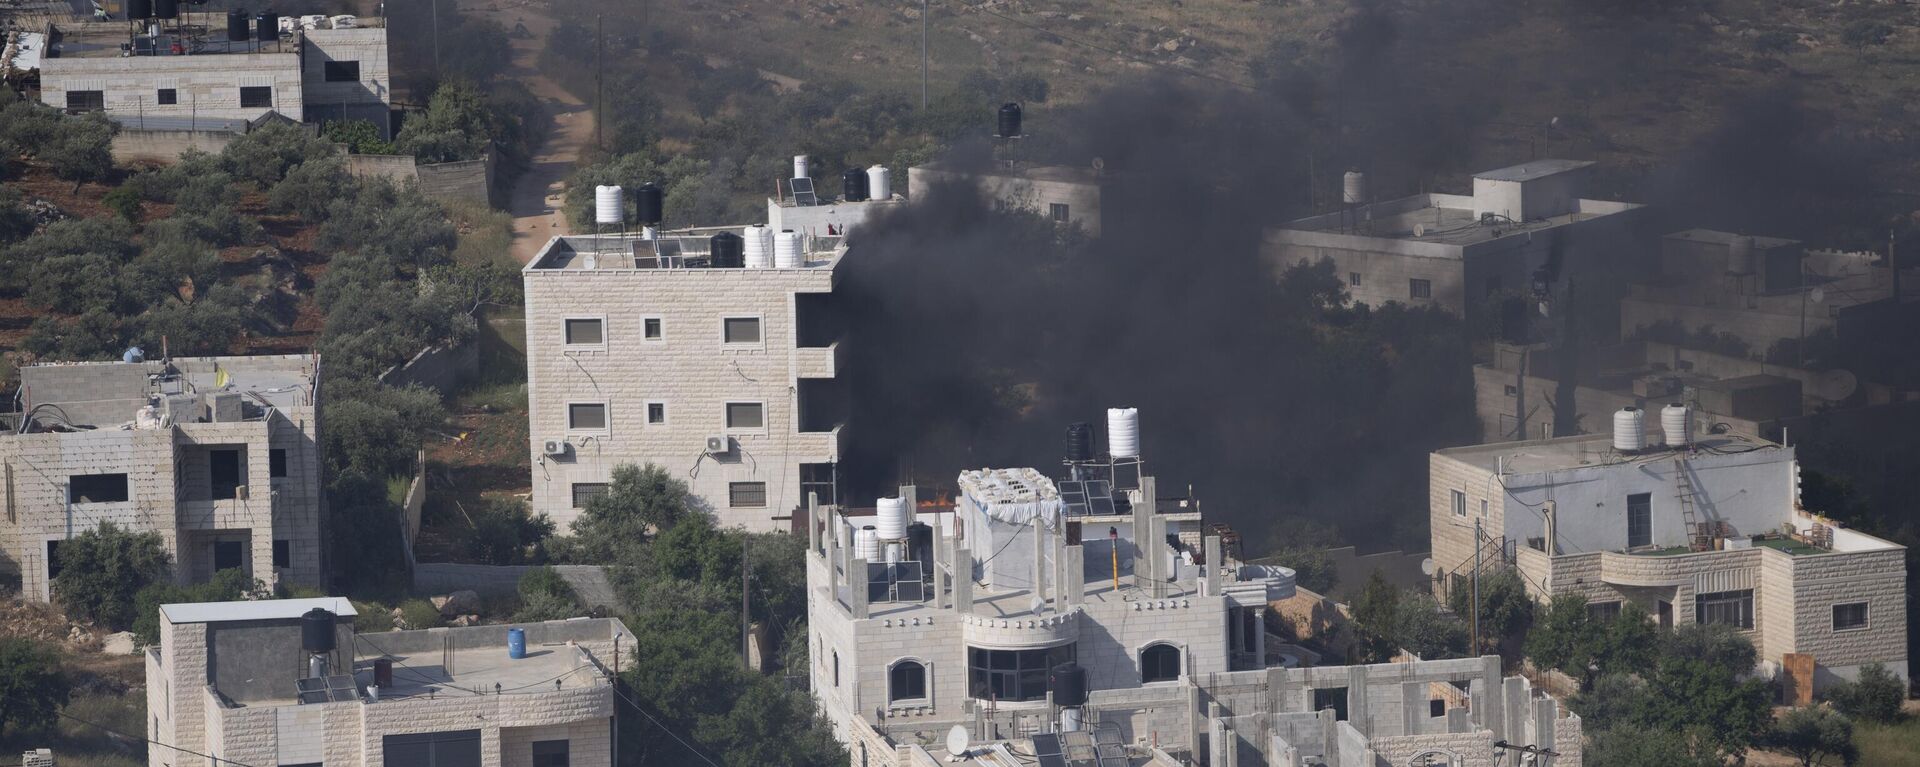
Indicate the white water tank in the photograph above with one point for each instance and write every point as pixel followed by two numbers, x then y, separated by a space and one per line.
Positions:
pixel 801 166
pixel 609 204
pixel 866 544
pixel 1677 421
pixel 892 519
pixel 1740 258
pixel 786 250
pixel 1123 432
pixel 1629 432
pixel 758 248
pixel 1353 188
pixel 879 183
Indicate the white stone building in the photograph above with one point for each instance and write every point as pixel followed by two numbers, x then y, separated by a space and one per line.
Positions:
pixel 203 81
pixel 1713 532
pixel 236 681
pixel 219 455
pixel 1064 195
pixel 967 618
pixel 1455 251
pixel 723 376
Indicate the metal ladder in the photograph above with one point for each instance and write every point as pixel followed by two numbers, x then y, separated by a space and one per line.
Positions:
pixel 1698 539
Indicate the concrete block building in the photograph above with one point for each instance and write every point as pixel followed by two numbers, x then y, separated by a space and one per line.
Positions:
pixel 1703 529
pixel 640 351
pixel 1064 195
pixel 172 76
pixel 241 682
pixel 218 455
pixel 926 622
pixel 1457 251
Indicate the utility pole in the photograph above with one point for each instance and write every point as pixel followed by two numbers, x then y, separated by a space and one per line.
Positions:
pixel 599 81
pixel 435 4
pixel 923 55
pixel 1476 586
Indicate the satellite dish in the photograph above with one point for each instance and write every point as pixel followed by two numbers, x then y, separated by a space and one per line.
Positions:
pixel 1099 164
pixel 1419 230
pixel 958 741
pixel 1428 567
pixel 1817 295
pixel 1835 385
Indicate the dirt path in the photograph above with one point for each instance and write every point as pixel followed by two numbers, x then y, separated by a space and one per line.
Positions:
pixel 539 194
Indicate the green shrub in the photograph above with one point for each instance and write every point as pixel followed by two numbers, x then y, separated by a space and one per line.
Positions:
pixel 420 614
pixel 124 200
pixel 372 617
pixel 101 571
pixel 1875 697
pixel 545 596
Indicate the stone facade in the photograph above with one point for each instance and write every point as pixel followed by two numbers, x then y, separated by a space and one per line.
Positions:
pixel 1068 196
pixel 273 529
pixel 664 396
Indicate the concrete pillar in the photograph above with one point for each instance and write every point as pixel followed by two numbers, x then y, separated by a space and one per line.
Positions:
pixel 940 560
pixel 1213 565
pixel 813 522
pixel 1144 552
pixel 1544 712
pixel 1061 597
pixel 963 580
pixel 1513 709
pixel 857 588
pixel 1459 721
pixel 1277 691
pixel 830 532
pixel 1358 711
pixel 1157 533
pixel 1413 707
pixel 1486 715
pixel 1039 562
pixel 1076 583
pixel 1552 533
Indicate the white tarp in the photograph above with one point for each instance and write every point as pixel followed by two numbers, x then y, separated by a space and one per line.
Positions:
pixel 1002 510
pixel 1016 496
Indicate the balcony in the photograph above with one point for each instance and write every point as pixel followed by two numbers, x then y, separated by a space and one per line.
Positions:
pixel 817 361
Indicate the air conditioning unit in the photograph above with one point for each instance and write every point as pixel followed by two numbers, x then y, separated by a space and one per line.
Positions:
pixel 717 445
pixel 555 447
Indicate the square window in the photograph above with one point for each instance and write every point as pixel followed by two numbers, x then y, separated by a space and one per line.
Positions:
pixel 86 101
pixel 282 554
pixel 277 462
pixel 256 97
pixel 752 495
pixel 741 330
pixel 1604 612
pixel 656 412
pixel 651 327
pixel 1058 212
pixel 1483 508
pixel 586 332
pixel 1850 616
pixel 1436 708
pixel 587 491
pixel 1513 391
pixel 1733 608
pixel 1353 278
pixel 1459 503
pixel 587 415
pixel 1419 288
pixel 341 71
pixel 746 415
pixel 167 96
pixel 551 753
pixel 96 488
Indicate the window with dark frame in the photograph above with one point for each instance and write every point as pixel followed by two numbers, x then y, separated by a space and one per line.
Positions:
pixel 1730 608
pixel 86 101
pixel 656 412
pixel 1459 503
pixel 1850 616
pixel 746 415
pixel 256 97
pixel 585 332
pixel 1353 278
pixel 277 462
pixel 166 96
pixel 1058 212
pixel 587 415
pixel 341 71
pixel 282 553
pixel 460 748
pixel 1417 288
pixel 224 475
pixel 1160 663
pixel 741 330
pixel 97 488
pixel 1334 698
pixel 907 680
pixel 1639 520
pixel 1604 612
pixel 1436 708
pixel 1012 675
pixel 650 328
pixel 748 495
pixel 551 753
pixel 587 491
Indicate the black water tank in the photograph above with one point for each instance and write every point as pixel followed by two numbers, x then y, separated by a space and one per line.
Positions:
pixel 920 546
pixel 316 631
pixel 650 202
pixel 238 26
pixel 266 26
pixel 1079 442
pixel 1068 683
pixel 1009 120
pixel 853 184
pixel 729 250
pixel 166 9
pixel 139 9
pixel 383 673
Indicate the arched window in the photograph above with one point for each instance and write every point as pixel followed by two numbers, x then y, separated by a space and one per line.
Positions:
pixel 1160 663
pixel 907 680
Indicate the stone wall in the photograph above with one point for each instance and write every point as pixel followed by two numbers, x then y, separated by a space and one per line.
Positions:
pixel 458 180
pixel 443 369
pixel 133 145
pixel 590 582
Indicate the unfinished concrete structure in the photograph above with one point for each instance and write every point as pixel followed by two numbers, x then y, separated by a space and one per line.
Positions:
pixel 172 75
pixel 266 682
pixel 1457 252
pixel 1761 290
pixel 1705 528
pixel 218 455
pixel 968 621
pixel 641 351
pixel 1064 195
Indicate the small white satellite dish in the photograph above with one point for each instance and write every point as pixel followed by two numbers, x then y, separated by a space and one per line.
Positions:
pixel 1428 566
pixel 958 741
pixel 1099 164
pixel 1419 230
pixel 1817 295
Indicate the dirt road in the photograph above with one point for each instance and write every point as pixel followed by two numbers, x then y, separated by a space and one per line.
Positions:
pixel 538 195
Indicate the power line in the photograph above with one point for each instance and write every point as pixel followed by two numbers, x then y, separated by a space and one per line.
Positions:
pixel 1123 54
pixel 216 760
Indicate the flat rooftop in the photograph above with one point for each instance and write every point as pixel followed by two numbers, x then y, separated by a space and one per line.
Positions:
pixel 109 394
pixel 1443 219
pixel 254 610
pixel 474 672
pixel 1533 169
pixel 670 251
pixel 1064 173
pixel 1585 450
pixel 193 34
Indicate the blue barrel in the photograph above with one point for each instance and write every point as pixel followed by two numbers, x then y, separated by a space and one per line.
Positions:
pixel 516 643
